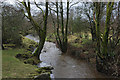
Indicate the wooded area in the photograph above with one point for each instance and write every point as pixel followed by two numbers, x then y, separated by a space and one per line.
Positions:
pixel 79 29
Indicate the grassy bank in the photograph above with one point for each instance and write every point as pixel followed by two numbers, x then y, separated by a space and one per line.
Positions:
pixel 13 67
pixel 20 63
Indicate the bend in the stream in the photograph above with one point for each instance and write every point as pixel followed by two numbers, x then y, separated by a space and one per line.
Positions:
pixel 64 65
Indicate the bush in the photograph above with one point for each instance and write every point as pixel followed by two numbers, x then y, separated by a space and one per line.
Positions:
pixel 86 41
pixel 11 24
pixel 28 44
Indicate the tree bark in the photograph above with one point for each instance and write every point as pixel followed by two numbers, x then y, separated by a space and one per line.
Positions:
pixel 92 28
pixel 102 41
pixel 41 32
pixel 106 32
pixel 62 40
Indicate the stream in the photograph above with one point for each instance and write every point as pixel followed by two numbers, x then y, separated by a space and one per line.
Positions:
pixel 64 65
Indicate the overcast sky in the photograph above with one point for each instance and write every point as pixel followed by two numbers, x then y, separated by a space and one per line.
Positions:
pixel 13 1
pixel 36 10
pixel 33 7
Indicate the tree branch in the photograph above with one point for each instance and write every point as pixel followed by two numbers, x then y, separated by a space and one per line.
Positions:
pixel 74 4
pixel 39 7
pixel 52 10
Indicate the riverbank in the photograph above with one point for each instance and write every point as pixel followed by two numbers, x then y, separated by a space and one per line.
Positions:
pixel 79 47
pixel 13 67
pixel 20 63
pixel 64 65
pixel 82 48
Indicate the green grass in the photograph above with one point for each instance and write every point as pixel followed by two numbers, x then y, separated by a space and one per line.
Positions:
pixel 50 38
pixel 13 67
pixel 86 41
pixel 81 40
pixel 27 42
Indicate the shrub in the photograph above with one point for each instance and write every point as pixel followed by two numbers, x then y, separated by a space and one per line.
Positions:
pixel 28 44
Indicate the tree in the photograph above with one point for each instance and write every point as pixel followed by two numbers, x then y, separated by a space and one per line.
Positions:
pixel 41 32
pixel 12 19
pixel 71 21
pixel 97 22
pixel 102 39
pixel 118 28
pixel 88 11
pixel 61 39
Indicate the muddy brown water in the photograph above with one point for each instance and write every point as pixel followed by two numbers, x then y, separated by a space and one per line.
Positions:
pixel 64 65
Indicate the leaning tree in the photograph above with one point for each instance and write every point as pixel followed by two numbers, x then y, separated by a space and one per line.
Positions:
pixel 41 31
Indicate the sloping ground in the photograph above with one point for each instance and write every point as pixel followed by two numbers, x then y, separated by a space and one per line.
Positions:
pixel 13 67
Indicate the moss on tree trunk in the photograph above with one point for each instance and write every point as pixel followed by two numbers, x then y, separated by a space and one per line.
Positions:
pixel 40 31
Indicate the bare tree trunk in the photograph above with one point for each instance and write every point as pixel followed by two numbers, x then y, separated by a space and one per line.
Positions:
pixel 41 32
pixel 40 47
pixel 118 29
pixel 102 41
pixel 97 24
pixel 42 35
pixel 65 44
pixel 92 27
pixel 106 32
pixel 62 40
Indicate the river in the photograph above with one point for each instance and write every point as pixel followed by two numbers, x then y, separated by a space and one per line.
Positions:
pixel 64 65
